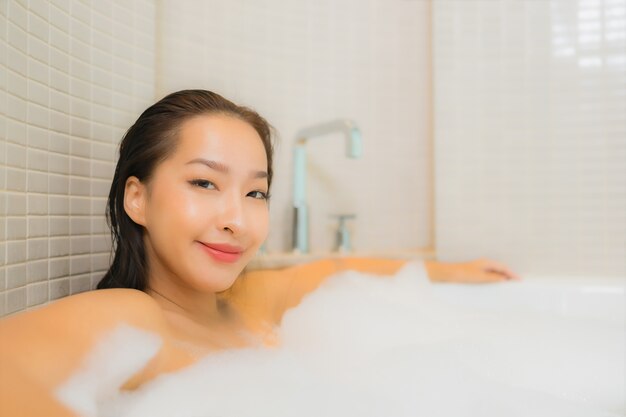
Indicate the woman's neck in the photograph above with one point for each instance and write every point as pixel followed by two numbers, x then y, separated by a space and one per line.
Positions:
pixel 202 308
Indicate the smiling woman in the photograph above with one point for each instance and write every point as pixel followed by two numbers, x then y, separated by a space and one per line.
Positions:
pixel 218 208
pixel 188 209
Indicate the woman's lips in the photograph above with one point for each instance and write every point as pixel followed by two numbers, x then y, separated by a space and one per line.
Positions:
pixel 222 252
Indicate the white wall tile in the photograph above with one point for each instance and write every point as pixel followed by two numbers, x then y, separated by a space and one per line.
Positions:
pixel 37 204
pixel 37 160
pixel 58 288
pixel 37 294
pixel 37 249
pixel 47 50
pixel 15 228
pixel 37 137
pixel 37 49
pixel 297 68
pixel 59 247
pixel 37 271
pixel 37 226
pixel 59 267
pixel 16 60
pixel 16 37
pixel 59 205
pixel 15 275
pixel 16 300
pixel 80 284
pixel 528 186
pixel 16 179
pixel 17 84
pixel 17 14
pixel 16 155
pixel 16 108
pixel 15 204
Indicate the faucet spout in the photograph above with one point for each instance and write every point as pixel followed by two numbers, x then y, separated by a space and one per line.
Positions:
pixel 353 150
pixel 352 133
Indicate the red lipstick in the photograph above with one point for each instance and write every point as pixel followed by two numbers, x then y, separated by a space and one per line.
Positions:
pixel 222 252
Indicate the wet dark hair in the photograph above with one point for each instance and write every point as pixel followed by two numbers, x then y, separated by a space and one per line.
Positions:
pixel 149 141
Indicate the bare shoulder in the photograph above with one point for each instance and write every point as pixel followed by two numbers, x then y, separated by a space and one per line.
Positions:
pixel 91 310
pixel 51 341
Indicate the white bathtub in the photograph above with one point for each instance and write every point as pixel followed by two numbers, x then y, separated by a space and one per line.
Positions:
pixel 602 298
pixel 542 347
pixel 577 347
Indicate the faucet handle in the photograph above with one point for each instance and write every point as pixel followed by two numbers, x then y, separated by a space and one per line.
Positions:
pixel 343 243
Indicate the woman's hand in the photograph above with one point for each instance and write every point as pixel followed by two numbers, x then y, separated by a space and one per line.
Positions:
pixel 476 271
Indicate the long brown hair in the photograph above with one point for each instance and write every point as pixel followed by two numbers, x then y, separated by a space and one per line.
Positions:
pixel 149 141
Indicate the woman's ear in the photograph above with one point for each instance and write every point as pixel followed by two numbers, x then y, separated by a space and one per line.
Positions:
pixel 135 200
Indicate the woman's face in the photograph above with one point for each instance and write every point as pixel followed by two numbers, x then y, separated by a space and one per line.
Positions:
pixel 204 209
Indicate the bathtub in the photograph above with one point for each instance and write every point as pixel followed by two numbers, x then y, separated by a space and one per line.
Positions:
pixel 602 298
pixel 361 345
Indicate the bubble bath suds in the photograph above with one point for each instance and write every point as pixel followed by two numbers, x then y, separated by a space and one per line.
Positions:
pixel 371 346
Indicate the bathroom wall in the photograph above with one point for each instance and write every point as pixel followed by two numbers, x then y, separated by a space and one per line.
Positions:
pixel 305 62
pixel 73 76
pixel 530 133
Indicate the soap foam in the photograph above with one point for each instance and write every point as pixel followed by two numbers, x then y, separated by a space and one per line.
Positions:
pixel 371 346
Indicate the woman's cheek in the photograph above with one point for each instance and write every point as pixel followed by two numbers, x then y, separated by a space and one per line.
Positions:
pixel 261 221
pixel 188 207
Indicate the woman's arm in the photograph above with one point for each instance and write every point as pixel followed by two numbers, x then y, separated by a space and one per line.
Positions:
pixel 41 349
pixel 472 272
pixel 270 293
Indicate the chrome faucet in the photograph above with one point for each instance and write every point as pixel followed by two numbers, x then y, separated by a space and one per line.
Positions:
pixel 353 150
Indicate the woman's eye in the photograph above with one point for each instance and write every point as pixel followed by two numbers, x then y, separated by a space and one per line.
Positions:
pixel 203 184
pixel 260 195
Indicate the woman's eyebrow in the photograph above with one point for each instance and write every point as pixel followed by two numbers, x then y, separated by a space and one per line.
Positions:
pixel 218 166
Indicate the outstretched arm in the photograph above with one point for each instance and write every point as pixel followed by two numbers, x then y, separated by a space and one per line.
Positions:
pixel 270 293
pixel 477 271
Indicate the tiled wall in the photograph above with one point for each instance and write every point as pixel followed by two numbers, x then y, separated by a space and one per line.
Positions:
pixel 305 62
pixel 531 133
pixel 73 76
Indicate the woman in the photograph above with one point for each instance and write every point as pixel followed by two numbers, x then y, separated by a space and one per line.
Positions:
pixel 188 209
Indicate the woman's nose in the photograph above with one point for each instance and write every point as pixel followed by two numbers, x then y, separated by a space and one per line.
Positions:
pixel 231 216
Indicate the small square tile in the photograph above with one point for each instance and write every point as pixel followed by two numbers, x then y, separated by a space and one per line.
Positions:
pixel 37 271
pixel 38 115
pixel 37 226
pixel 80 264
pixel 37 249
pixel 79 186
pixel 15 300
pixel 80 226
pixel 37 294
pixel 39 71
pixel 58 288
pixel 37 204
pixel 16 155
pixel 59 226
pixel 16 275
pixel 38 137
pixel 16 251
pixel 59 267
pixel 18 15
pixel 16 179
pixel 37 182
pixel 80 284
pixel 37 160
pixel 16 228
pixel 37 49
pixel 100 262
pixel 15 204
pixel 59 247
pixel 58 184
pixel 80 245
